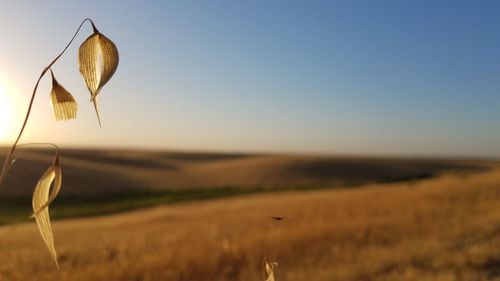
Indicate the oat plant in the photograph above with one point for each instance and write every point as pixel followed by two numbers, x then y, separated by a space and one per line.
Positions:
pixel 98 60
pixel 268 265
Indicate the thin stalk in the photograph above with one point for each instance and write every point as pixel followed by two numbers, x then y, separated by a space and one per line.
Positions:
pixel 20 148
pixel 8 160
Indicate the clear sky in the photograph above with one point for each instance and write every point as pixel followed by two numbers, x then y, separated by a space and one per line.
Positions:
pixel 340 77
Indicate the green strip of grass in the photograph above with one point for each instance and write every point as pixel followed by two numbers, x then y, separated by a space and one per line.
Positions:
pixel 15 210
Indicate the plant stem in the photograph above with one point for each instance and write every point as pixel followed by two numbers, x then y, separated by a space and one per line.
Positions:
pixel 8 160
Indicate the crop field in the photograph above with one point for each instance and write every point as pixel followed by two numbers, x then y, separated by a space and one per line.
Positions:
pixel 439 220
pixel 99 182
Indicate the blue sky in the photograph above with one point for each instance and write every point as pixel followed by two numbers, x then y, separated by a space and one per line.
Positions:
pixel 338 77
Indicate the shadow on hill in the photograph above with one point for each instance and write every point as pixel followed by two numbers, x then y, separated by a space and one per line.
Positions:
pixel 100 172
pixel 102 182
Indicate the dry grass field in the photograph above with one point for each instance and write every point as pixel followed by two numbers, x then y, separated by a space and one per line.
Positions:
pixel 100 172
pixel 97 182
pixel 443 228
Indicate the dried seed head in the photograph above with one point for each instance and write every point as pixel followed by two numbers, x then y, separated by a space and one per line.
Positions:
pixel 270 270
pixel 41 201
pixel 63 104
pixel 98 58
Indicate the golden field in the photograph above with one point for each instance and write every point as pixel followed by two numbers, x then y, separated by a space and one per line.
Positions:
pixel 101 172
pixel 442 228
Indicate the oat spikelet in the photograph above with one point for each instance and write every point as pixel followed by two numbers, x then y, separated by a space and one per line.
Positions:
pixel 63 104
pixel 98 59
pixel 270 270
pixel 41 201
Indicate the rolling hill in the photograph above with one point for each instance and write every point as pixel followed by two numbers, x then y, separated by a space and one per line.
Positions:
pixel 444 228
pixel 99 172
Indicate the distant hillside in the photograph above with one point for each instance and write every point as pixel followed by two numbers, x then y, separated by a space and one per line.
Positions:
pixel 90 172
pixel 440 229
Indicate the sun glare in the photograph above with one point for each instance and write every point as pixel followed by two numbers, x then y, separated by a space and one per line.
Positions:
pixel 5 107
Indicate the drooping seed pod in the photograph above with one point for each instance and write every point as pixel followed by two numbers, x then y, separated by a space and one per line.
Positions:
pixel 63 104
pixel 98 59
pixel 42 197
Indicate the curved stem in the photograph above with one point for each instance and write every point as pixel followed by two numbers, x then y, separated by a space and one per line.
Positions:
pixel 20 148
pixel 25 145
pixel 8 160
